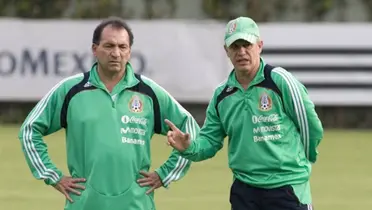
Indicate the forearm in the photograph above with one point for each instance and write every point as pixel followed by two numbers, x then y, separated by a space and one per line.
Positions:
pixel 201 149
pixel 35 152
pixel 173 169
pixel 315 136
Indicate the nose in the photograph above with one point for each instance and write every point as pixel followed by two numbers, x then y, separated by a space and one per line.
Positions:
pixel 115 52
pixel 241 50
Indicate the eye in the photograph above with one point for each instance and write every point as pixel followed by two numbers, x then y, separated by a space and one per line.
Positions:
pixel 234 46
pixel 247 45
pixel 108 46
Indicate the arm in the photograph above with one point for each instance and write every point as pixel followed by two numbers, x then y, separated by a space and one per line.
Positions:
pixel 301 110
pixel 175 167
pixel 43 120
pixel 210 139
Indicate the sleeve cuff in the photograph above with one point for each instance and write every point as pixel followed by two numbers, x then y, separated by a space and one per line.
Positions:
pixel 162 176
pixel 53 182
pixel 189 150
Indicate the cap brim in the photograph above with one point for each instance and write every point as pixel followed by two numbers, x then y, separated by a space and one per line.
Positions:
pixel 247 37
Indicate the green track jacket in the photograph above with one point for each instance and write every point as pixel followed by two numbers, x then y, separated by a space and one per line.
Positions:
pixel 272 127
pixel 107 138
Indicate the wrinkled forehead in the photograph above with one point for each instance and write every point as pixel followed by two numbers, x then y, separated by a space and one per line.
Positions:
pixel 115 35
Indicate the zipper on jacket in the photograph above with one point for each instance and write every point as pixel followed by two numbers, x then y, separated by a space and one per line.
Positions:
pixel 247 94
pixel 113 100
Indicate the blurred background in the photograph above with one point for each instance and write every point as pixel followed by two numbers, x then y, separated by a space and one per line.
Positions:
pixel 326 44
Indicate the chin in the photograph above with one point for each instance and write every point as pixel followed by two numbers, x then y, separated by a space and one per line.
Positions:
pixel 244 68
pixel 115 69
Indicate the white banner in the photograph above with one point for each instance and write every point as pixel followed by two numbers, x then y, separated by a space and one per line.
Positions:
pixel 187 58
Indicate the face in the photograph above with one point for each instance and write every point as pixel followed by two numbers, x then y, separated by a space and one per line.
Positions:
pixel 244 55
pixel 113 51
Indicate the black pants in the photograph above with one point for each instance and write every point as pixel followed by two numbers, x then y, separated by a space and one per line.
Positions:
pixel 245 197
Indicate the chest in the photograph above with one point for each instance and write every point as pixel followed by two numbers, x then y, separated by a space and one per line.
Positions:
pixel 245 110
pixel 128 110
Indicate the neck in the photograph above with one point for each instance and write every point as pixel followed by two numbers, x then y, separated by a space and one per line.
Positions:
pixel 110 79
pixel 245 77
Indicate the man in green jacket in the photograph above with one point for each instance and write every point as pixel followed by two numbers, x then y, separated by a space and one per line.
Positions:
pixel 271 124
pixel 109 115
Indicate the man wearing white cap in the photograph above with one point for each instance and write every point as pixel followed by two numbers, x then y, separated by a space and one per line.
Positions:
pixel 271 124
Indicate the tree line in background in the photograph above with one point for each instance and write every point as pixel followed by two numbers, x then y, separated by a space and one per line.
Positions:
pixel 260 10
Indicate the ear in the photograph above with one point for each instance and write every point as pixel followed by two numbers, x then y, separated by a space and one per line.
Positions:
pixel 94 49
pixel 129 53
pixel 224 46
pixel 260 45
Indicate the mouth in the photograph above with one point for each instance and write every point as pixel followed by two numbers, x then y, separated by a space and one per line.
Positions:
pixel 242 61
pixel 114 62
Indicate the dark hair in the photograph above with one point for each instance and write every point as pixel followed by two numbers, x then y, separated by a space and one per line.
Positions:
pixel 115 22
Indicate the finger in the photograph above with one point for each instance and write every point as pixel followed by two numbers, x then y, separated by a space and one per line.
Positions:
pixel 78 186
pixel 68 197
pixel 74 180
pixel 171 125
pixel 171 142
pixel 187 136
pixel 144 173
pixel 169 133
pixel 63 191
pixel 148 183
pixel 151 190
pixel 143 180
pixel 73 191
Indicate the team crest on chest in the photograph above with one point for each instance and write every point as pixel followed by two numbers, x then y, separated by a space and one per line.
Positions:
pixel 265 103
pixel 136 104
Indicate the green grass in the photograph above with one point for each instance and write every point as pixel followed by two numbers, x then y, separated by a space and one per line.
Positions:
pixel 341 178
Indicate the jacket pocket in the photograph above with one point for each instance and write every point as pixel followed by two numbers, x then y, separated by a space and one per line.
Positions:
pixel 135 198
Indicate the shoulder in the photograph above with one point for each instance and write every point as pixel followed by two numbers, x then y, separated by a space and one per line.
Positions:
pixel 64 85
pixel 285 80
pixel 149 82
pixel 282 76
pixel 73 80
pixel 164 97
pixel 220 87
pixel 159 91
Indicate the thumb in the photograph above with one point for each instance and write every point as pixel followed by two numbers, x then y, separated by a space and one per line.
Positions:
pixel 187 136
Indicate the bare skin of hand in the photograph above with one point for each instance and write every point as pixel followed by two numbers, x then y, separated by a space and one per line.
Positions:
pixel 151 179
pixel 69 185
pixel 176 138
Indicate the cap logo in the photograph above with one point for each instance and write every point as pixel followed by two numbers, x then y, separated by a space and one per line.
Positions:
pixel 232 27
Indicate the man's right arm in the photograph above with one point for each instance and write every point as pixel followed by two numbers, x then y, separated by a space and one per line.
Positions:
pixel 210 139
pixel 43 120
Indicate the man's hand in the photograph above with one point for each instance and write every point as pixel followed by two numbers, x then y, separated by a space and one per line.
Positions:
pixel 69 184
pixel 150 179
pixel 176 138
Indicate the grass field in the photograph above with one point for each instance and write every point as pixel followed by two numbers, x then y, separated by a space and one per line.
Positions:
pixel 341 179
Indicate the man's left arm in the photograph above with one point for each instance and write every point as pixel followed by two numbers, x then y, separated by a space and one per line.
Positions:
pixel 176 166
pixel 301 110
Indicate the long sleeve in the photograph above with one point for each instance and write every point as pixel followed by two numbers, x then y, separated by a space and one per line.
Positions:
pixel 301 110
pixel 210 139
pixel 43 120
pixel 175 167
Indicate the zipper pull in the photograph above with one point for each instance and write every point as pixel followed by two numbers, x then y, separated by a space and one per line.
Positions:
pixel 113 100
